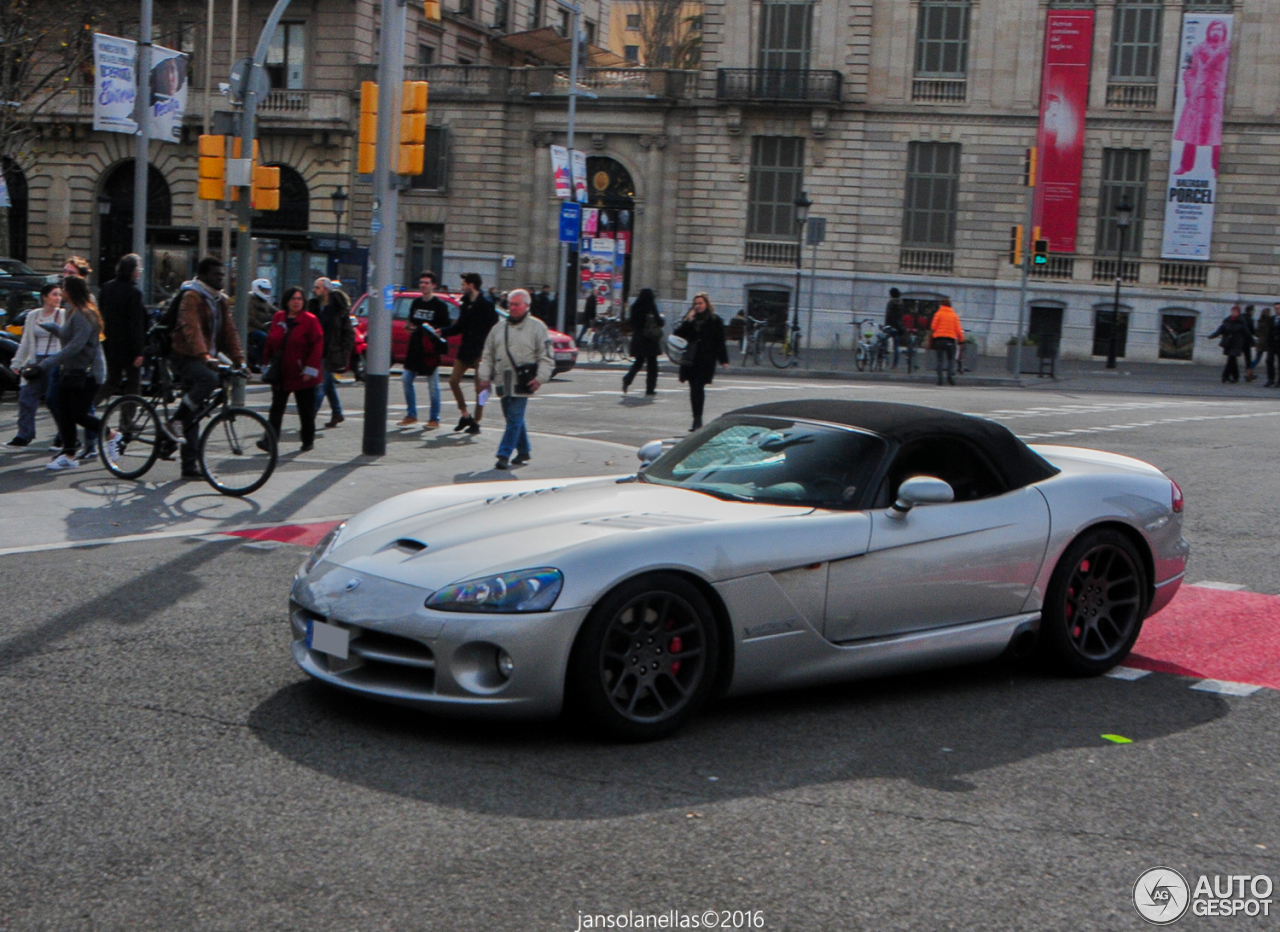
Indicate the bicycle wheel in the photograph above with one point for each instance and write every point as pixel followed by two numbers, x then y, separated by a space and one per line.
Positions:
pixel 780 354
pixel 612 349
pixel 231 454
pixel 133 418
pixel 860 356
pixel 597 348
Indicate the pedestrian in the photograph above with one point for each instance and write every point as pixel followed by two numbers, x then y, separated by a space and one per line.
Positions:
pixel 516 359
pixel 124 322
pixel 588 316
pixel 261 314
pixel 1266 323
pixel 204 329
pixel 544 306
pixel 1249 360
pixel 893 314
pixel 339 342
pixel 1234 333
pixel 37 344
pixel 646 341
pixel 295 352
pixel 705 333
pixel 78 267
pixel 79 335
pixel 476 318
pixel 1273 350
pixel 947 335
pixel 428 315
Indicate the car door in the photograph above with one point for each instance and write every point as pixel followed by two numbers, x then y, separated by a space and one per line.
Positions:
pixel 973 559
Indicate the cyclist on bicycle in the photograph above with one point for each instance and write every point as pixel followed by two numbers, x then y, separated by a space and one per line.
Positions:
pixel 203 329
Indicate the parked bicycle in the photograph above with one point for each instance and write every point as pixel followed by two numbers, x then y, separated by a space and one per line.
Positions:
pixel 604 342
pixel 753 331
pixel 910 343
pixel 785 353
pixel 872 350
pixel 237 448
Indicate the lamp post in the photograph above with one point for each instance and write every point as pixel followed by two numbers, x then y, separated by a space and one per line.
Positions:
pixel 802 217
pixel 1124 216
pixel 339 199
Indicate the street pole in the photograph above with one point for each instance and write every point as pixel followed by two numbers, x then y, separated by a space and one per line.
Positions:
pixel 141 161
pixel 1026 271
pixel 232 42
pixel 1115 307
pixel 385 208
pixel 813 287
pixel 206 207
pixel 563 284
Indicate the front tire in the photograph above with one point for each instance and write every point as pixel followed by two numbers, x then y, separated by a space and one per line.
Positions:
pixel 230 456
pixel 645 661
pixel 1095 605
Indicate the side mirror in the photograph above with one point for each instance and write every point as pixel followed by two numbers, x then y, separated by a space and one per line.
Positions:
pixel 920 490
pixel 648 453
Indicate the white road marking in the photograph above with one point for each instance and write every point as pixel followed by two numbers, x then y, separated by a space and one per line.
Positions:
pixel 1055 434
pixel 1225 688
pixel 1211 584
pixel 1127 673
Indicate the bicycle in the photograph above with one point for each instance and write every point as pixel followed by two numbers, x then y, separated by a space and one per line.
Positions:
pixel 785 353
pixel 752 338
pixel 872 351
pixel 911 349
pixel 237 449
pixel 605 339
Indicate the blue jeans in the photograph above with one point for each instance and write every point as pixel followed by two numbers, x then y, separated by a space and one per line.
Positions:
pixel 411 393
pixel 30 394
pixel 515 437
pixel 328 389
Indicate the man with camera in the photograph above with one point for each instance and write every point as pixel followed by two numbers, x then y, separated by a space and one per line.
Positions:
pixel 516 361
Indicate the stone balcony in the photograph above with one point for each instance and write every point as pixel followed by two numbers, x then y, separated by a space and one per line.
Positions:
pixel 282 109
pixel 498 84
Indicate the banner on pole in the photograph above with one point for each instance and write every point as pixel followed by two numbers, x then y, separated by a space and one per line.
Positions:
pixel 1204 58
pixel 168 94
pixel 560 171
pixel 1064 98
pixel 115 88
pixel 580 176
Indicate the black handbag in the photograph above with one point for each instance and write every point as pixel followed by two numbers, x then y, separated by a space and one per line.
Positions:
pixel 525 374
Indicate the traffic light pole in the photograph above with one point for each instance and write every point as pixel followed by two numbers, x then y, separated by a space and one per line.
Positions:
pixel 1027 258
pixel 564 284
pixel 385 207
pixel 141 161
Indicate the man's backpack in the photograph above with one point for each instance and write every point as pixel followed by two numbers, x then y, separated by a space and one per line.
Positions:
pixel 160 336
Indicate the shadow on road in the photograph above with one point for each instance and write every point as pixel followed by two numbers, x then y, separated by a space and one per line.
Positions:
pixel 935 730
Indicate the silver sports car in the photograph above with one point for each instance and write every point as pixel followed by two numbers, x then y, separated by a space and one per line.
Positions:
pixel 783 545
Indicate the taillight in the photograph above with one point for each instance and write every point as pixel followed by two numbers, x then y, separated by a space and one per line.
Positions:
pixel 1177 497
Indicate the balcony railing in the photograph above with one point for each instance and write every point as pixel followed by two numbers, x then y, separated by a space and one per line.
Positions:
pixel 1185 274
pixel 770 252
pixel 1132 96
pixel 779 85
pixel 939 90
pixel 1058 268
pixel 912 259
pixel 1104 270
pixel 463 82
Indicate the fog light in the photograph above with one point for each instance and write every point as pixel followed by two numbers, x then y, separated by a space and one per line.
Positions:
pixel 506 666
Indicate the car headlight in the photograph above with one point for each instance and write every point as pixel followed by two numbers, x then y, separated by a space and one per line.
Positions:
pixel 322 548
pixel 519 591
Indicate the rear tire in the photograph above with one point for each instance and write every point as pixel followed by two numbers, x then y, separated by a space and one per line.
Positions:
pixel 645 661
pixel 135 420
pixel 1095 605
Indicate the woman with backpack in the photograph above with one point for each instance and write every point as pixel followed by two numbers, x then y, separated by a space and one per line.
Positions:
pixel 294 357
pixel 704 332
pixel 77 386
pixel 646 341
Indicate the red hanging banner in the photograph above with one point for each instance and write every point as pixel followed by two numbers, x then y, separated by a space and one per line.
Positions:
pixel 1064 99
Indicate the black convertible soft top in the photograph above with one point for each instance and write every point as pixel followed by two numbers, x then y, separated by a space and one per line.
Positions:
pixel 1018 463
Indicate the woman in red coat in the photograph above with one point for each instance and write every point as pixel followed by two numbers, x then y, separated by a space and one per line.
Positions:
pixel 296 337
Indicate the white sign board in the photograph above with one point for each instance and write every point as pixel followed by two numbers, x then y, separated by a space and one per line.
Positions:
pixel 115 86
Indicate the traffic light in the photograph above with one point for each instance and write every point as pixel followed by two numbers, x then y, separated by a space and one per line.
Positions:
pixel 1029 167
pixel 413 128
pixel 265 194
pixel 1042 252
pixel 1015 245
pixel 368 127
pixel 213 168
pixel 432 10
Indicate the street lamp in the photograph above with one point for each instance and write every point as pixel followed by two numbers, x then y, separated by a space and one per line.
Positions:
pixel 1124 216
pixel 339 198
pixel 802 217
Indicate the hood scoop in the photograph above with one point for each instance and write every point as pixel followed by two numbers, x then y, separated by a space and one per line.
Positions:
pixel 641 521
pixel 513 496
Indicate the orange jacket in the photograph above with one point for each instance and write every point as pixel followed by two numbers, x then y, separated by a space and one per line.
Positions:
pixel 946 324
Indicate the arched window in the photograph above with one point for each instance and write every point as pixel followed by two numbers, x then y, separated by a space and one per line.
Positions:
pixel 115 212
pixel 294 214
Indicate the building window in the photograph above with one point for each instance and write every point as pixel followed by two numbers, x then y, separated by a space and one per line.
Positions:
pixel 632 54
pixel 467 8
pixel 286 55
pixel 501 14
pixel 426 251
pixel 633 22
pixel 468 53
pixel 426 55
pixel 535 15
pixel 1177 334
pixel 933 178
pixel 589 30
pixel 1124 177
pixel 434 161
pixel 942 39
pixel 1135 40
pixel 786 35
pixel 566 23
pixel 1104 318
pixel 777 173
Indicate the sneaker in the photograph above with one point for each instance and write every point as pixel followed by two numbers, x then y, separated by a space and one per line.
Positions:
pixel 463 423
pixel 306 448
pixel 408 422
pixel 503 463
pixel 23 441
pixel 625 385
pixel 474 427
pixel 88 452
pixel 192 474
pixel 62 461
pixel 433 425
pixel 335 420
pixel 112 447
pixel 520 459
pixel 263 445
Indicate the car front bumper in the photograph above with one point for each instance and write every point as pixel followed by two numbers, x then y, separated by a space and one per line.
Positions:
pixel 443 662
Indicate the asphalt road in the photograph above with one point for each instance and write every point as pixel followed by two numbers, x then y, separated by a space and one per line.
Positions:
pixel 167 767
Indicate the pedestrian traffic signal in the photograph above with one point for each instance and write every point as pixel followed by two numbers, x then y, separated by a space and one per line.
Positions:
pixel 265 194
pixel 213 168
pixel 1042 252
pixel 413 128
pixel 432 10
pixel 1015 245
pixel 368 127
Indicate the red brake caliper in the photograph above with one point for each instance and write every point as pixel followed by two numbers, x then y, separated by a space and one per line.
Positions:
pixel 676 645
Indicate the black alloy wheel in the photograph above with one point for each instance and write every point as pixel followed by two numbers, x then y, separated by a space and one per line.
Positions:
pixel 1095 604
pixel 646 659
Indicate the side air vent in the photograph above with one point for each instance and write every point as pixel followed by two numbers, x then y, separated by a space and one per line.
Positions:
pixel 409 545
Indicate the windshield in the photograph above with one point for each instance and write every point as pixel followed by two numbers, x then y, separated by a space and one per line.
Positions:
pixel 14 267
pixel 773 460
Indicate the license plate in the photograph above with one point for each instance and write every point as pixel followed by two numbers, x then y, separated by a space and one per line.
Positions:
pixel 328 639
pixel 564 355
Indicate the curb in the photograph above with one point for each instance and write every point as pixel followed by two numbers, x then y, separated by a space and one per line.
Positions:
pixel 829 375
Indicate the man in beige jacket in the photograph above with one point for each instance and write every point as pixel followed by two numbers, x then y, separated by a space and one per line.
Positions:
pixel 519 343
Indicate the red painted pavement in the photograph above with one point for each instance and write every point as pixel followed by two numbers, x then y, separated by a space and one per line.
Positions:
pixel 300 535
pixel 1214 634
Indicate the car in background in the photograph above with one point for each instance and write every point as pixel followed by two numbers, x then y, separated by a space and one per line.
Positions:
pixel 19 290
pixel 563 347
